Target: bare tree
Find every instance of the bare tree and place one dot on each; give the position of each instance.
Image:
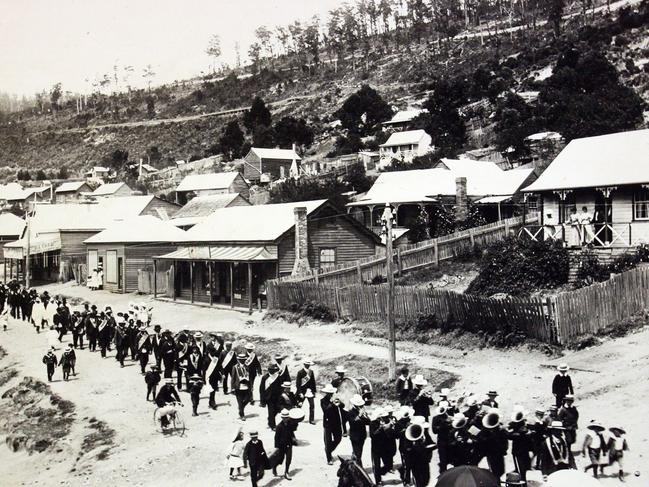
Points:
(148, 74)
(214, 49)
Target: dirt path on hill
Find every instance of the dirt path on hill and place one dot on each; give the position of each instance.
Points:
(611, 386)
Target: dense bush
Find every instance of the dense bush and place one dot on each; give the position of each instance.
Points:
(313, 310)
(591, 270)
(519, 267)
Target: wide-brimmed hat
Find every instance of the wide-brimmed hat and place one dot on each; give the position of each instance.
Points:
(595, 426)
(273, 368)
(492, 393)
(406, 411)
(613, 429)
(284, 413)
(459, 421)
(307, 361)
(357, 400)
(569, 397)
(249, 346)
(328, 389)
(445, 391)
(340, 369)
(286, 384)
(376, 414)
(198, 334)
(518, 416)
(420, 420)
(514, 478)
(563, 367)
(419, 380)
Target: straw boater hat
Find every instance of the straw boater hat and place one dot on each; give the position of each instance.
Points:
(279, 356)
(328, 389)
(198, 334)
(357, 400)
(196, 377)
(340, 369)
(444, 392)
(563, 367)
(286, 384)
(249, 346)
(420, 420)
(406, 412)
(569, 397)
(284, 413)
(492, 393)
(307, 361)
(254, 434)
(595, 426)
(241, 356)
(459, 421)
(169, 380)
(376, 414)
(419, 380)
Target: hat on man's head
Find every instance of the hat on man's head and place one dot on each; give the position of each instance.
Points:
(284, 413)
(307, 361)
(253, 434)
(419, 380)
(563, 367)
(492, 393)
(157, 327)
(241, 356)
(357, 400)
(569, 397)
(328, 389)
(279, 356)
(340, 369)
(169, 380)
(286, 384)
(459, 421)
(273, 368)
(249, 346)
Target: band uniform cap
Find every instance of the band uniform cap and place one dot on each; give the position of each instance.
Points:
(340, 369)
(563, 367)
(328, 389)
(357, 400)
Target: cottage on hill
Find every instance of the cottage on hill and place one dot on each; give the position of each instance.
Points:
(128, 246)
(228, 257)
(112, 190)
(214, 183)
(405, 146)
(609, 176)
(265, 165)
(201, 207)
(71, 191)
(402, 120)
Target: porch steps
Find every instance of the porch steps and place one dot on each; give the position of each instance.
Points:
(605, 256)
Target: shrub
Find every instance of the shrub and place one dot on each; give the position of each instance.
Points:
(313, 310)
(519, 267)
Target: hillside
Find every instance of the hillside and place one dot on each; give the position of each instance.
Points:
(185, 120)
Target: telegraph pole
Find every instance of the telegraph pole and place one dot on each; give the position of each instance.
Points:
(27, 257)
(392, 339)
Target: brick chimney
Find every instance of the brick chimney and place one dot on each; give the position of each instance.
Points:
(461, 202)
(301, 265)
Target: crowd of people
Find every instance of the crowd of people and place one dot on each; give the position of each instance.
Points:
(468, 429)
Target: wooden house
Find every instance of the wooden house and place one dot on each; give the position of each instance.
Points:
(201, 207)
(266, 165)
(454, 182)
(214, 183)
(128, 246)
(71, 191)
(403, 120)
(112, 190)
(228, 257)
(604, 180)
(11, 228)
(405, 146)
(57, 232)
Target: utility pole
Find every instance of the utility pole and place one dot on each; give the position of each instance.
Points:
(27, 257)
(392, 339)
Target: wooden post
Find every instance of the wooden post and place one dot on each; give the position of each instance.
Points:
(249, 288)
(231, 284)
(4, 275)
(392, 352)
(472, 237)
(436, 247)
(399, 263)
(209, 277)
(155, 278)
(191, 279)
(359, 271)
(500, 217)
(173, 279)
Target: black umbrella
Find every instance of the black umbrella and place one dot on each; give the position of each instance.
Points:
(467, 476)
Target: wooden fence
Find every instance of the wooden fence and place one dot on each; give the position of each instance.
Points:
(412, 257)
(145, 281)
(558, 319)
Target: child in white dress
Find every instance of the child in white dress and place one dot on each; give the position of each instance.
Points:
(235, 457)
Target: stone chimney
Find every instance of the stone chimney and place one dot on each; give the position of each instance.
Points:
(301, 265)
(461, 201)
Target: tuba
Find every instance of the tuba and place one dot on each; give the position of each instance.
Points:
(491, 420)
(414, 432)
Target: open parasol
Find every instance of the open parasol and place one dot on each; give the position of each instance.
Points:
(467, 476)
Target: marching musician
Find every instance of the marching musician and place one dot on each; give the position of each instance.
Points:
(358, 421)
(305, 385)
(269, 392)
(441, 426)
(227, 360)
(421, 399)
(419, 451)
(492, 442)
(522, 442)
(254, 367)
(340, 376)
(334, 421)
(241, 384)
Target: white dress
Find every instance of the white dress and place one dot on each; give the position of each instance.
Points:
(235, 459)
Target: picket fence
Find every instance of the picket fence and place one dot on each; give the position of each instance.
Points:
(559, 319)
(413, 257)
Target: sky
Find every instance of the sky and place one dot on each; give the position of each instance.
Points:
(43, 42)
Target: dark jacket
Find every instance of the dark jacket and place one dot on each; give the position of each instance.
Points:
(562, 385)
(284, 435)
(334, 418)
(166, 395)
(254, 454)
(305, 380)
(357, 424)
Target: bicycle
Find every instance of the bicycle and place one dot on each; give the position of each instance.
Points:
(176, 422)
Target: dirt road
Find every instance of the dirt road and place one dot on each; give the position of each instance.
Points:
(611, 387)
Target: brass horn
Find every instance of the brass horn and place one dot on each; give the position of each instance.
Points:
(491, 419)
(414, 432)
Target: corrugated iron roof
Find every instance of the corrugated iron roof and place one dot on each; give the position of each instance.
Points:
(201, 182)
(405, 116)
(139, 229)
(288, 154)
(405, 138)
(260, 223)
(593, 162)
(232, 253)
(70, 186)
(11, 224)
(108, 189)
(203, 206)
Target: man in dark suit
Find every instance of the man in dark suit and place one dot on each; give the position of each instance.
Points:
(284, 441)
(562, 385)
(334, 421)
(254, 457)
(227, 359)
(286, 398)
(168, 353)
(305, 386)
(284, 374)
(269, 392)
(50, 361)
(404, 386)
(156, 341)
(194, 364)
(253, 365)
(241, 385)
(340, 376)
(358, 421)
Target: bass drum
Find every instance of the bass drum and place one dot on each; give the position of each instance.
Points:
(350, 386)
